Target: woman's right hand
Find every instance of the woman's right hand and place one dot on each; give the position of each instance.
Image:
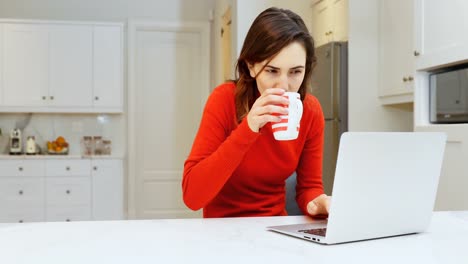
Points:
(267, 108)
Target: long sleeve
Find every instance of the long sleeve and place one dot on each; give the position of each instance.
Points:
(218, 149)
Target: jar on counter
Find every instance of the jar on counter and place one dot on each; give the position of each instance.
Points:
(87, 146)
(98, 145)
(106, 147)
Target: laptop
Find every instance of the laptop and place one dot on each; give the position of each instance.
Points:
(385, 185)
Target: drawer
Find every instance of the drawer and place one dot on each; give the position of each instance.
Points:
(22, 215)
(60, 168)
(30, 168)
(69, 213)
(20, 192)
(68, 191)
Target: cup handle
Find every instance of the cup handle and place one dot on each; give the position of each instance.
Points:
(297, 108)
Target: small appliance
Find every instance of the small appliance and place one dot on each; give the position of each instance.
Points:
(448, 94)
(31, 145)
(15, 142)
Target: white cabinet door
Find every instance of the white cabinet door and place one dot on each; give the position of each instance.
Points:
(321, 22)
(108, 69)
(68, 167)
(396, 51)
(340, 20)
(329, 21)
(71, 64)
(22, 199)
(451, 193)
(25, 65)
(68, 191)
(108, 199)
(441, 32)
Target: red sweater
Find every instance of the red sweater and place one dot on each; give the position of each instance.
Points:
(232, 171)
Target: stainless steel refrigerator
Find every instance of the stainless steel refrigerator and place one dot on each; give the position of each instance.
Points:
(330, 86)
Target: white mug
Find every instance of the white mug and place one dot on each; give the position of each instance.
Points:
(288, 127)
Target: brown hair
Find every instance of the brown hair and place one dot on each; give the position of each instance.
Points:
(271, 31)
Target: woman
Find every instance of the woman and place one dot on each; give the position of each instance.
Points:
(236, 167)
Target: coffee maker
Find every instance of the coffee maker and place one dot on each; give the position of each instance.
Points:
(15, 142)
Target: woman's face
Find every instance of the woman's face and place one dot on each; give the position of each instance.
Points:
(286, 70)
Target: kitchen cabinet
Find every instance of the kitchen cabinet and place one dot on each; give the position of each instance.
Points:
(22, 191)
(396, 80)
(25, 65)
(107, 177)
(62, 67)
(70, 65)
(329, 21)
(451, 193)
(107, 71)
(440, 33)
(34, 190)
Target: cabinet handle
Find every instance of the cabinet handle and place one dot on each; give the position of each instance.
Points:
(410, 78)
(20, 168)
(416, 53)
(51, 98)
(20, 192)
(68, 191)
(68, 220)
(96, 98)
(20, 221)
(67, 168)
(95, 168)
(405, 79)
(44, 97)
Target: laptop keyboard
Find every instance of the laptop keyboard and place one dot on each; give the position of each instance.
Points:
(317, 231)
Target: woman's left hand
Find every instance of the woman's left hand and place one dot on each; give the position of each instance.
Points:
(320, 206)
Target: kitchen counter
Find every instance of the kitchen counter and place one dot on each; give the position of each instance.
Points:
(71, 156)
(222, 240)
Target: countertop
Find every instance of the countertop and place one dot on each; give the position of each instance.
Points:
(222, 240)
(71, 156)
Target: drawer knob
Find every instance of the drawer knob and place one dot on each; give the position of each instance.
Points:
(20, 192)
(20, 168)
(416, 53)
(95, 168)
(68, 168)
(96, 98)
(20, 221)
(68, 191)
(68, 220)
(51, 98)
(410, 78)
(43, 97)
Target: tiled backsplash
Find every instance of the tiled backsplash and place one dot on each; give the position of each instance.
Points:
(47, 127)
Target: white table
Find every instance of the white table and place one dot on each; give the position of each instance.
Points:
(228, 240)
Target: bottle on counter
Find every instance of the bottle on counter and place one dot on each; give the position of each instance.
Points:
(106, 147)
(98, 145)
(87, 148)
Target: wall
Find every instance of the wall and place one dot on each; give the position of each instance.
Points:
(248, 10)
(365, 111)
(47, 127)
(108, 10)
